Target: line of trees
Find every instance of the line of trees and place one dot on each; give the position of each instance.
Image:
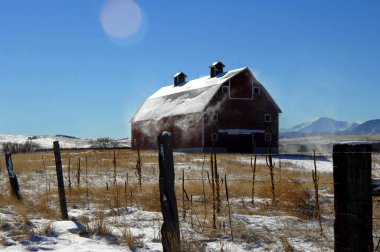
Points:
(104, 143)
(28, 146)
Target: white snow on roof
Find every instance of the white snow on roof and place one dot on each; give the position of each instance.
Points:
(179, 74)
(215, 63)
(202, 82)
(191, 97)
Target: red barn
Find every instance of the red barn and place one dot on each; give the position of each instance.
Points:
(225, 109)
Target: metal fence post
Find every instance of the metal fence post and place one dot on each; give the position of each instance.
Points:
(352, 197)
(170, 228)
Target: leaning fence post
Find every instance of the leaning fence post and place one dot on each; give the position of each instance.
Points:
(12, 175)
(61, 186)
(352, 197)
(170, 228)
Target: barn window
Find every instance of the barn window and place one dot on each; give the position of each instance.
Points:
(225, 89)
(268, 118)
(256, 90)
(214, 117)
(214, 137)
(135, 142)
(268, 137)
(196, 136)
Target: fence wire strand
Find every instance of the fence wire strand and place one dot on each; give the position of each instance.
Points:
(98, 171)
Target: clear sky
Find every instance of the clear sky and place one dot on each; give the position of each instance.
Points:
(83, 67)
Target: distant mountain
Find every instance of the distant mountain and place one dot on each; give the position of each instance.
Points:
(371, 127)
(320, 126)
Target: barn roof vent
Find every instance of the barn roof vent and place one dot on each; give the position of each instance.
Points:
(179, 78)
(216, 68)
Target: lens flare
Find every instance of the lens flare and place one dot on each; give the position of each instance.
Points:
(121, 19)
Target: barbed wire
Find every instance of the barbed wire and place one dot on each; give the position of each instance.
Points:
(282, 204)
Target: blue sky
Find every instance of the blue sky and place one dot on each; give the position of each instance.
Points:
(67, 68)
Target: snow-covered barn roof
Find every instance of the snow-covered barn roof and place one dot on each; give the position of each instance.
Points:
(180, 73)
(217, 63)
(190, 97)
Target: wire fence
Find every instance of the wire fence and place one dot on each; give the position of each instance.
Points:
(110, 180)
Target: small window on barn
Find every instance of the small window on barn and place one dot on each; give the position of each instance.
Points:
(268, 137)
(256, 90)
(214, 137)
(268, 117)
(135, 142)
(225, 89)
(196, 136)
(214, 117)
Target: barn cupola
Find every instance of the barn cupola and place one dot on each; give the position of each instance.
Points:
(179, 78)
(216, 68)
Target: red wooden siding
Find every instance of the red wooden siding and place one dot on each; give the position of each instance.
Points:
(235, 106)
(242, 114)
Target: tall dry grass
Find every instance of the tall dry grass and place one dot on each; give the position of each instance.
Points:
(293, 188)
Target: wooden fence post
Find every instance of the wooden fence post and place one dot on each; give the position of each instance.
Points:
(12, 175)
(170, 228)
(69, 173)
(87, 193)
(61, 186)
(78, 173)
(352, 197)
(138, 166)
(183, 196)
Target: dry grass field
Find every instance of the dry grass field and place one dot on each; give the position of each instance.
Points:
(103, 197)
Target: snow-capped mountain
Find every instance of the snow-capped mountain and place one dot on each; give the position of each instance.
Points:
(320, 126)
(371, 127)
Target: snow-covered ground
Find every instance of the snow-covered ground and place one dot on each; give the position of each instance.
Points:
(258, 227)
(255, 228)
(299, 162)
(46, 142)
(63, 238)
(321, 144)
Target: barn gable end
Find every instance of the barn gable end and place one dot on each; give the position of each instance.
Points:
(228, 110)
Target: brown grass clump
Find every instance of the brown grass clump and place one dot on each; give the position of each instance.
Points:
(292, 192)
(46, 229)
(99, 227)
(286, 245)
(45, 208)
(295, 200)
(193, 188)
(128, 239)
(148, 198)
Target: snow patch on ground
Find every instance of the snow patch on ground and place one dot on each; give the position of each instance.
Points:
(295, 162)
(64, 238)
